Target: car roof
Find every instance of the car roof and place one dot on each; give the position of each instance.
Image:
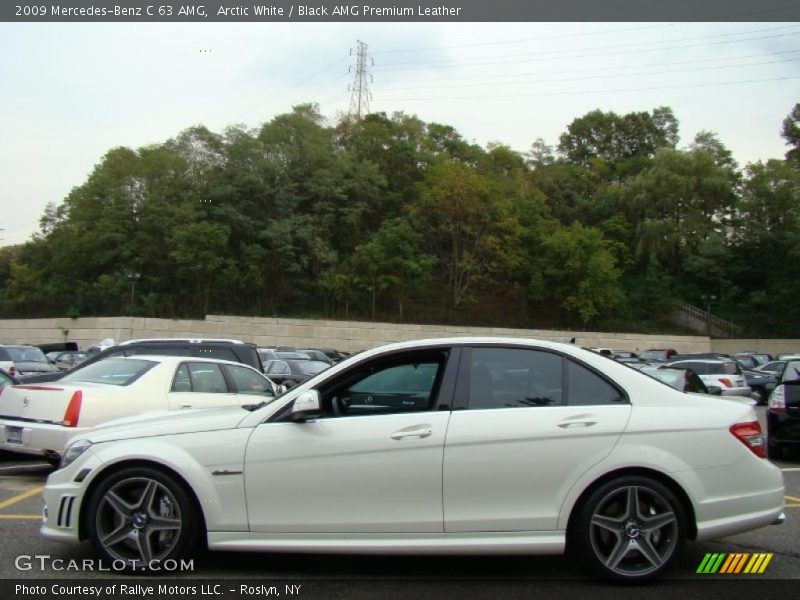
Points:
(176, 359)
(189, 340)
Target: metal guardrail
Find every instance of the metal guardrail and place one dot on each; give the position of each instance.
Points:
(714, 325)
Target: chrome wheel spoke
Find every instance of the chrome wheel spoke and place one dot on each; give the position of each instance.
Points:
(120, 534)
(632, 503)
(657, 522)
(611, 524)
(118, 504)
(619, 552)
(163, 524)
(645, 546)
(144, 547)
(148, 495)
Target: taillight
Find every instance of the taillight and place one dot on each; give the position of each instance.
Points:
(777, 401)
(750, 435)
(12, 371)
(725, 381)
(73, 411)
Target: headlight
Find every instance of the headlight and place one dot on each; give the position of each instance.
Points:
(74, 451)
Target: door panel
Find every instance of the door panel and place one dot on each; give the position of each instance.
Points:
(380, 473)
(530, 423)
(510, 469)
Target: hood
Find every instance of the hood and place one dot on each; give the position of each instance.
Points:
(158, 423)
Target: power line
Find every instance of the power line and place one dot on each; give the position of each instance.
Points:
(565, 54)
(516, 79)
(594, 69)
(580, 92)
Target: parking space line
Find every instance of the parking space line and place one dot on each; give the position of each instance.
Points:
(22, 517)
(792, 498)
(790, 469)
(20, 497)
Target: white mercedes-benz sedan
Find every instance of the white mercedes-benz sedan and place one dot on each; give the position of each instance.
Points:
(446, 446)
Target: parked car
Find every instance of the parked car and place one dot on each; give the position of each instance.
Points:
(783, 412)
(683, 380)
(789, 356)
(24, 361)
(760, 383)
(233, 350)
(316, 355)
(291, 371)
(461, 445)
(756, 357)
(774, 367)
(724, 373)
(39, 419)
(657, 355)
(64, 361)
(334, 355)
(624, 354)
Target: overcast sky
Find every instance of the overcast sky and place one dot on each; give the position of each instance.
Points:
(70, 92)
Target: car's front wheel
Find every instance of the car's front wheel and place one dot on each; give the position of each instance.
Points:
(140, 517)
(631, 528)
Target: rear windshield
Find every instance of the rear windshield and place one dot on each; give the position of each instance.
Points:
(309, 367)
(113, 371)
(26, 354)
(710, 368)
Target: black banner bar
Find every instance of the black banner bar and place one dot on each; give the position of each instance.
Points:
(397, 10)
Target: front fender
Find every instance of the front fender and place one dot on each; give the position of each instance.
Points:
(192, 457)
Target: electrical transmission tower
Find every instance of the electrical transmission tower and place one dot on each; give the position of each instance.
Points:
(359, 89)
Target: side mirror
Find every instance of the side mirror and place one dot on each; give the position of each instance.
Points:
(280, 390)
(306, 407)
(714, 390)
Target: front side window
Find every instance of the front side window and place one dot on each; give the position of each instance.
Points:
(401, 385)
(248, 381)
(113, 371)
(514, 377)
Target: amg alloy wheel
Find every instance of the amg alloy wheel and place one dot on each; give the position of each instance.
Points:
(631, 528)
(140, 516)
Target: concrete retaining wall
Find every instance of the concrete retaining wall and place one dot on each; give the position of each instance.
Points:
(343, 335)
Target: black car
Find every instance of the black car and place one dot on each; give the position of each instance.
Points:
(783, 412)
(25, 362)
(290, 372)
(233, 350)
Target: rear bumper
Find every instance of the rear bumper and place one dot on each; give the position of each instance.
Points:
(40, 439)
(745, 392)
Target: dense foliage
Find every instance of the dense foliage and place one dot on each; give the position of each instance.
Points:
(391, 218)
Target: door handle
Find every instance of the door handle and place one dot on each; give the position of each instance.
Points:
(420, 433)
(186, 406)
(577, 424)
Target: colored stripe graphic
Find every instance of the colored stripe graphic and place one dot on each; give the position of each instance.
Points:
(734, 563)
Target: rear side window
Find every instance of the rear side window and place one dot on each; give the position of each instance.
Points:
(112, 371)
(513, 378)
(207, 378)
(248, 381)
(587, 388)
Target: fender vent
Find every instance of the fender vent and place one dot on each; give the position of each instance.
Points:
(65, 511)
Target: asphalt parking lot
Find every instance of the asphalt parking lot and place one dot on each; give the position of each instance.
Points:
(21, 482)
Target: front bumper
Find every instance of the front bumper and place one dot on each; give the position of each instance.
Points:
(63, 498)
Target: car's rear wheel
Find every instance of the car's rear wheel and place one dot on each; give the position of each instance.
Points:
(140, 517)
(631, 528)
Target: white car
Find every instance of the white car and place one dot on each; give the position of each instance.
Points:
(446, 446)
(725, 374)
(39, 418)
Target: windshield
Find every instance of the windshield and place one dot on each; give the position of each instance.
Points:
(26, 354)
(310, 367)
(112, 371)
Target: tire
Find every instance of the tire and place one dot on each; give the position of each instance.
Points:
(774, 451)
(629, 529)
(140, 515)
